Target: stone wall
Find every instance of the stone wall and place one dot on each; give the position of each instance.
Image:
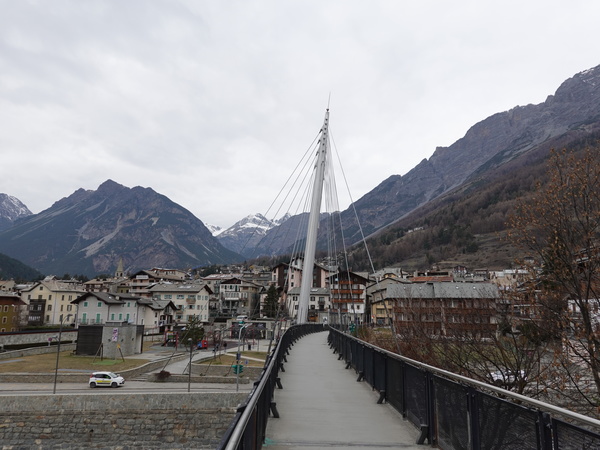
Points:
(118, 420)
(13, 354)
(38, 337)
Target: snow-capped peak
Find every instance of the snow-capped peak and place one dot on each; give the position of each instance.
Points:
(215, 230)
(11, 208)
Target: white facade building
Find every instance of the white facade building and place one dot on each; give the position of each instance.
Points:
(190, 299)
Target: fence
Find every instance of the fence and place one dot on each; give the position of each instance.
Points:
(247, 430)
(455, 412)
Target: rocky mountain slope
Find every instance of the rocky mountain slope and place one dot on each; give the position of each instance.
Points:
(89, 231)
(488, 145)
(11, 209)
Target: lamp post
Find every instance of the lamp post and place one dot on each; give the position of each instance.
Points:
(237, 358)
(190, 366)
(58, 350)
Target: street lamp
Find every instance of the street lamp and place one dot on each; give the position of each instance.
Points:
(58, 350)
(190, 366)
(237, 358)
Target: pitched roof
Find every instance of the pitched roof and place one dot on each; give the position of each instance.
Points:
(443, 290)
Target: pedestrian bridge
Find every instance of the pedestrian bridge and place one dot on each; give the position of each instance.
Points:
(322, 388)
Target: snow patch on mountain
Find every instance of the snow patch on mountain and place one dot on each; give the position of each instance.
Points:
(215, 230)
(11, 209)
(246, 233)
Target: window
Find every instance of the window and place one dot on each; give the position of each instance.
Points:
(99, 304)
(112, 316)
(120, 317)
(85, 304)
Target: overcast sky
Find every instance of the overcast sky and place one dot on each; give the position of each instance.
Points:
(212, 103)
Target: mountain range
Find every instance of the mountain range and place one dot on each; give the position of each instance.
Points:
(90, 230)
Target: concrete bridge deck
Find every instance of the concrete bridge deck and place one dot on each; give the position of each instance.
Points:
(322, 405)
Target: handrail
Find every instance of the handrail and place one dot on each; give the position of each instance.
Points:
(480, 384)
(236, 435)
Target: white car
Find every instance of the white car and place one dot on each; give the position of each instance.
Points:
(108, 379)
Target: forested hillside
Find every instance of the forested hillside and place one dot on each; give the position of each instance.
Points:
(468, 225)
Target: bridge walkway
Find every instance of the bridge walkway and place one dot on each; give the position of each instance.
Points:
(322, 405)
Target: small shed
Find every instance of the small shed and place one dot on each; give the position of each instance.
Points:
(110, 340)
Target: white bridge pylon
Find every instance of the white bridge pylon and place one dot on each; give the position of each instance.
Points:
(313, 223)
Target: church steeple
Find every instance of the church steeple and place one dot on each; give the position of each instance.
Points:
(120, 273)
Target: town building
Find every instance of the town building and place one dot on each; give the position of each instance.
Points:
(380, 300)
(445, 309)
(349, 296)
(11, 307)
(190, 299)
(319, 303)
(140, 282)
(237, 296)
(99, 308)
(50, 300)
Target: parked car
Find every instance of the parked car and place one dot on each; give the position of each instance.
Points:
(507, 377)
(108, 379)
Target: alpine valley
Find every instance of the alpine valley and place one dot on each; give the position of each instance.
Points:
(458, 199)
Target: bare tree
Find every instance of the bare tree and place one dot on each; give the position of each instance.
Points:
(560, 226)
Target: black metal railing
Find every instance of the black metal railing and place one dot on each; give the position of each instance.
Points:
(455, 412)
(248, 428)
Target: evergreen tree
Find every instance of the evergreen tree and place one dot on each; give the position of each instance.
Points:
(271, 302)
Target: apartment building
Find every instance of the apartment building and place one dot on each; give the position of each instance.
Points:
(190, 299)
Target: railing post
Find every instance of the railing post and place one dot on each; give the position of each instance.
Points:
(473, 411)
(544, 424)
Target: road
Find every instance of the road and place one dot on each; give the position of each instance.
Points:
(141, 387)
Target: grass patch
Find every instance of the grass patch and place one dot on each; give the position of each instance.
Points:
(229, 359)
(46, 363)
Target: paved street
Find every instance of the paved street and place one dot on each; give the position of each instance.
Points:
(154, 353)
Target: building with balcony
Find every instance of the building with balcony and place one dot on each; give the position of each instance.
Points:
(319, 303)
(349, 296)
(445, 309)
(190, 299)
(50, 300)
